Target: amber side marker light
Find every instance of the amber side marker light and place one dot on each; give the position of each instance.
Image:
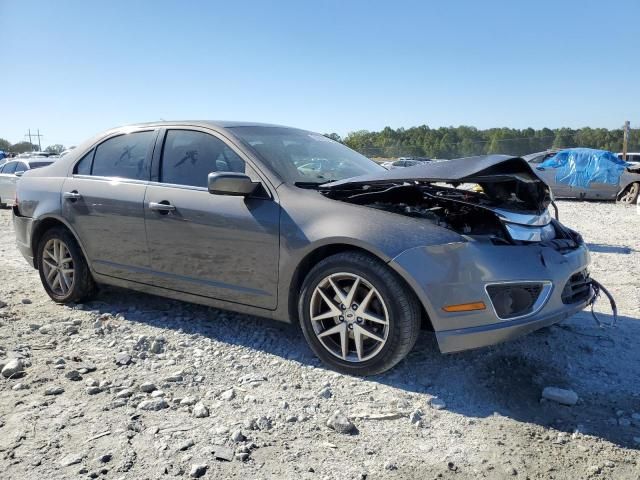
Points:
(465, 307)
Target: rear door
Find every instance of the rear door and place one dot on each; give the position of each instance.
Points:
(103, 201)
(223, 247)
(548, 175)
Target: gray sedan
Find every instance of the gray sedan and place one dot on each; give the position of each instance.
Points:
(11, 171)
(223, 214)
(625, 190)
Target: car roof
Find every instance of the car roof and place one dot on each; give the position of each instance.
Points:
(214, 123)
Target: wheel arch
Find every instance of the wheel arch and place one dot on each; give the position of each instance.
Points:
(316, 255)
(42, 225)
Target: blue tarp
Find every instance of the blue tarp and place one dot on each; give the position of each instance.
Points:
(2, 155)
(579, 167)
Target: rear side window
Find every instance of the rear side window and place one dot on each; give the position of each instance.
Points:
(189, 156)
(10, 167)
(124, 156)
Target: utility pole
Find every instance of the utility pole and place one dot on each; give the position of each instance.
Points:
(625, 140)
(38, 136)
(30, 142)
(40, 144)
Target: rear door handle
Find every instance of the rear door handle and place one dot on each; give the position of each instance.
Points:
(74, 195)
(162, 207)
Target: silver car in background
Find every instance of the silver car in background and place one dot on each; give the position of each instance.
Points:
(229, 215)
(10, 173)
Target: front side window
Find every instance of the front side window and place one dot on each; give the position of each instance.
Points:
(188, 157)
(21, 167)
(124, 156)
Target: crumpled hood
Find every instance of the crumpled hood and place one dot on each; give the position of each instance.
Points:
(500, 176)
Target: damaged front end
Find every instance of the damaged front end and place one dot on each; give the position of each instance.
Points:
(495, 198)
(519, 268)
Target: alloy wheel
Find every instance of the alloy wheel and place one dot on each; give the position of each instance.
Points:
(58, 266)
(631, 193)
(349, 317)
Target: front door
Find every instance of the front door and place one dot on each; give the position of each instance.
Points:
(103, 202)
(217, 246)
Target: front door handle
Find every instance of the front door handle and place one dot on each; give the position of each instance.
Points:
(161, 207)
(73, 195)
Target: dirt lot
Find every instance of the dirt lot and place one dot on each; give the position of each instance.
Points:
(249, 390)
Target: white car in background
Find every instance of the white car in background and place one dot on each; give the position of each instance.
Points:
(632, 157)
(11, 172)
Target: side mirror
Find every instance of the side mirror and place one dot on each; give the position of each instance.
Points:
(540, 168)
(231, 183)
(19, 173)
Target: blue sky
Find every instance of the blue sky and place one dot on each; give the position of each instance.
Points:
(73, 68)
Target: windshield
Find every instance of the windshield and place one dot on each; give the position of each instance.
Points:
(304, 157)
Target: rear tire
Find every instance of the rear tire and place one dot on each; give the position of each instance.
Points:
(630, 194)
(64, 272)
(381, 322)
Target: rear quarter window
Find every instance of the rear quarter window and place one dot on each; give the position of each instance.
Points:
(83, 167)
(33, 165)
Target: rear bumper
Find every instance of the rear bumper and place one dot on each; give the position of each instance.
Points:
(485, 335)
(22, 226)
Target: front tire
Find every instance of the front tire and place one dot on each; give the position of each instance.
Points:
(357, 314)
(63, 269)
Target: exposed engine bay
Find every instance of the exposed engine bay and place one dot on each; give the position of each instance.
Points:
(509, 204)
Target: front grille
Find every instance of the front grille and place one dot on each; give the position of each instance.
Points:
(514, 299)
(577, 288)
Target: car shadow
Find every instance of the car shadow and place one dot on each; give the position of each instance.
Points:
(604, 248)
(601, 365)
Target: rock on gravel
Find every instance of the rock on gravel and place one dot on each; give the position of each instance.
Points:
(123, 358)
(148, 387)
(228, 394)
(153, 404)
(238, 436)
(73, 375)
(198, 470)
(200, 411)
(560, 395)
(325, 393)
(341, 424)
(13, 368)
(71, 459)
(54, 391)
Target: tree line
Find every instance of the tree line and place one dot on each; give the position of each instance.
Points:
(464, 141)
(22, 147)
(451, 142)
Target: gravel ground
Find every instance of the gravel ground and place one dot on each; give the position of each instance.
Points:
(133, 386)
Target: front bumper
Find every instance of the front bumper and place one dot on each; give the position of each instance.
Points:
(458, 273)
(484, 335)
